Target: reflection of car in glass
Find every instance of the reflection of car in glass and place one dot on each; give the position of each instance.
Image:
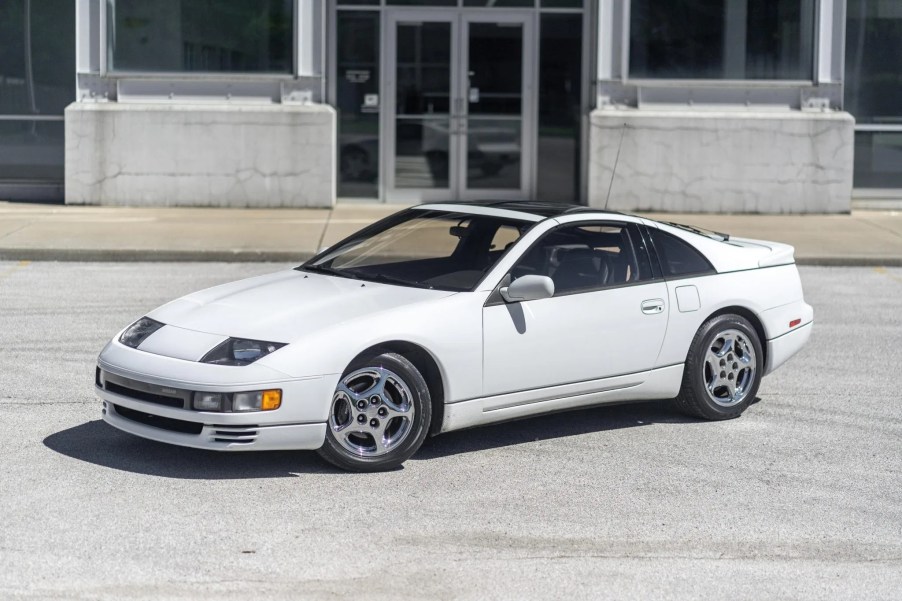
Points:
(448, 316)
(492, 145)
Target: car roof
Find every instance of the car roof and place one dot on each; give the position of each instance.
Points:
(542, 209)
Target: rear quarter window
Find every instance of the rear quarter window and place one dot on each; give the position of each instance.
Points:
(678, 258)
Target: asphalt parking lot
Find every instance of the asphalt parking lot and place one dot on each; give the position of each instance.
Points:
(801, 498)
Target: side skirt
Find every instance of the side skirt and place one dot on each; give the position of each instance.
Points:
(661, 383)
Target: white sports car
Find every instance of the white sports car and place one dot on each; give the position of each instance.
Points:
(447, 316)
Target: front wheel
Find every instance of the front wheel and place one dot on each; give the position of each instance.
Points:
(379, 417)
(723, 369)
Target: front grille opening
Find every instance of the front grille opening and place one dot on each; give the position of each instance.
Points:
(158, 421)
(97, 381)
(141, 395)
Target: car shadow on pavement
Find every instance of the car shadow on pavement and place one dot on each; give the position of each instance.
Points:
(98, 443)
(552, 426)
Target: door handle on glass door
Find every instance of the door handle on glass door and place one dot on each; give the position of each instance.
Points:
(653, 306)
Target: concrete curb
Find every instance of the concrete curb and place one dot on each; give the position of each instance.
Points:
(263, 256)
(151, 256)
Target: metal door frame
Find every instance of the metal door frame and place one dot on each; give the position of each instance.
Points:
(459, 19)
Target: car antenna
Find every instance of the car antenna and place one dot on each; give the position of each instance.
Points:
(614, 170)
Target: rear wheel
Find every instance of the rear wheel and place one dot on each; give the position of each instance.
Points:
(723, 369)
(379, 417)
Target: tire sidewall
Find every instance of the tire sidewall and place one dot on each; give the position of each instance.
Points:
(338, 455)
(696, 364)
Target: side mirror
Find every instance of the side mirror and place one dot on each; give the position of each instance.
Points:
(527, 288)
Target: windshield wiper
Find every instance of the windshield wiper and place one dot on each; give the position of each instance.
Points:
(388, 279)
(342, 273)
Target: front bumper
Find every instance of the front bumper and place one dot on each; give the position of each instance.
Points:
(158, 407)
(216, 437)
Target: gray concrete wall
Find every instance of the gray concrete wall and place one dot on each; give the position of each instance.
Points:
(721, 162)
(200, 155)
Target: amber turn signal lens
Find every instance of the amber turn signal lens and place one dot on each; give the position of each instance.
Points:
(272, 399)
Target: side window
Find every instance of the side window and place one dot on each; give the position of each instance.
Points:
(678, 258)
(585, 257)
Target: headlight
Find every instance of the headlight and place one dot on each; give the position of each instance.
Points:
(138, 332)
(238, 351)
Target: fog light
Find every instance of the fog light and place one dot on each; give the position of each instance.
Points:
(207, 401)
(261, 400)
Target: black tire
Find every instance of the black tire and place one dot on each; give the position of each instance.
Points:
(716, 395)
(353, 445)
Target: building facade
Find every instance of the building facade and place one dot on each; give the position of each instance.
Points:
(687, 105)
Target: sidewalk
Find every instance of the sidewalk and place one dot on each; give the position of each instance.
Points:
(74, 233)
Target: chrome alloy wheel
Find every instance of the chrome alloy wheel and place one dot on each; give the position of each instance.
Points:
(729, 370)
(372, 411)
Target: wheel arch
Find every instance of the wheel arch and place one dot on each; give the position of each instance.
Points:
(425, 364)
(752, 319)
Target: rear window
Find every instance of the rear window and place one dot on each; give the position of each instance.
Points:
(678, 258)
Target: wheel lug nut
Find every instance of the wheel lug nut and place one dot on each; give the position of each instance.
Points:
(723, 374)
(735, 366)
(722, 362)
(361, 404)
(374, 423)
(730, 377)
(383, 412)
(361, 418)
(729, 357)
(375, 400)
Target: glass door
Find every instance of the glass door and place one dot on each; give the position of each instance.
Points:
(457, 92)
(421, 148)
(494, 103)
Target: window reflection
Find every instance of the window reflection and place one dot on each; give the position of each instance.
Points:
(201, 35)
(722, 39)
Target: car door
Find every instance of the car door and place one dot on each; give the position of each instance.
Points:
(607, 317)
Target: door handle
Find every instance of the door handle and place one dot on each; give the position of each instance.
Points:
(653, 306)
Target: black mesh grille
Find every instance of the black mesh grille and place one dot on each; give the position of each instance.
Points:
(157, 421)
(141, 395)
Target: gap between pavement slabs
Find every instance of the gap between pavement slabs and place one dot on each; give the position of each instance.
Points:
(41, 232)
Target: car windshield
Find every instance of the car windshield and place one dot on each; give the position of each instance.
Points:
(427, 249)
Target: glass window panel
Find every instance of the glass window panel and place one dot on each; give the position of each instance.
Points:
(560, 93)
(878, 160)
(421, 2)
(358, 2)
(358, 102)
(562, 3)
(423, 102)
(495, 105)
(722, 39)
(873, 79)
(421, 155)
(37, 56)
(31, 150)
(500, 3)
(252, 36)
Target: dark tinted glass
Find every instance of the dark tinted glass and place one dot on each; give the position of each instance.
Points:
(721, 39)
(199, 35)
(37, 56)
(586, 257)
(560, 91)
(873, 81)
(878, 159)
(358, 102)
(677, 257)
(37, 77)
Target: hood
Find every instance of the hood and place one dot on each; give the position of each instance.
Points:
(285, 306)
